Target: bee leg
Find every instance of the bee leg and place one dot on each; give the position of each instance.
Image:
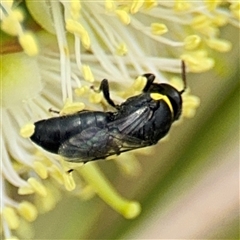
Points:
(150, 78)
(104, 87)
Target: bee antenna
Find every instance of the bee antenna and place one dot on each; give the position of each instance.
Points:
(183, 77)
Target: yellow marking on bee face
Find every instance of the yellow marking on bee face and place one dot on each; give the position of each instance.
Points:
(158, 96)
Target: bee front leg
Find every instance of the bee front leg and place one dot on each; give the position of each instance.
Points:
(150, 78)
(104, 87)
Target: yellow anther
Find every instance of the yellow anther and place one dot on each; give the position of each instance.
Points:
(136, 5)
(87, 73)
(109, 5)
(139, 83)
(86, 40)
(81, 90)
(177, 83)
(235, 9)
(57, 174)
(40, 169)
(191, 42)
(72, 107)
(123, 16)
(198, 61)
(181, 5)
(27, 210)
(37, 186)
(75, 9)
(69, 182)
(95, 97)
(158, 28)
(18, 15)
(213, 4)
(201, 22)
(220, 20)
(121, 49)
(220, 45)
(25, 190)
(87, 193)
(190, 104)
(49, 202)
(27, 130)
(150, 4)
(29, 44)
(77, 28)
(158, 96)
(11, 25)
(11, 217)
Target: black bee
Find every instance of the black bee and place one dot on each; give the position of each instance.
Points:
(138, 122)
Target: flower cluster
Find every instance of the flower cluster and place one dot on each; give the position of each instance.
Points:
(54, 51)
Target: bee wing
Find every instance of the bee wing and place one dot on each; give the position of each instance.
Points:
(98, 143)
(132, 122)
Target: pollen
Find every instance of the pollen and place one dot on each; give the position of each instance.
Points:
(28, 44)
(158, 28)
(191, 42)
(235, 9)
(11, 23)
(75, 9)
(121, 49)
(220, 45)
(12, 219)
(198, 61)
(77, 28)
(57, 174)
(87, 73)
(139, 83)
(25, 190)
(136, 5)
(72, 107)
(37, 186)
(150, 4)
(95, 97)
(27, 130)
(81, 90)
(190, 105)
(69, 182)
(181, 5)
(40, 169)
(213, 4)
(109, 5)
(123, 16)
(27, 210)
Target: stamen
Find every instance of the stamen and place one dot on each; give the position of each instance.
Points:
(220, 45)
(10, 216)
(37, 187)
(40, 169)
(27, 210)
(158, 28)
(129, 209)
(123, 16)
(27, 130)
